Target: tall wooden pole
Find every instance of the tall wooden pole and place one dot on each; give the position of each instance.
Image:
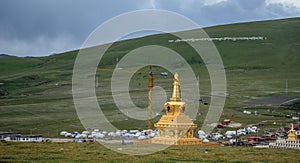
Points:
(150, 86)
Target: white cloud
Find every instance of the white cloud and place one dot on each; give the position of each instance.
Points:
(194, 5)
(147, 4)
(212, 2)
(153, 4)
(285, 3)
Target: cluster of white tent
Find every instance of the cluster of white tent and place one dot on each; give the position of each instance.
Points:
(145, 134)
(100, 134)
(241, 132)
(249, 112)
(205, 136)
(228, 134)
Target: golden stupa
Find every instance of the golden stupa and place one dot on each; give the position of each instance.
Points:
(175, 128)
(292, 135)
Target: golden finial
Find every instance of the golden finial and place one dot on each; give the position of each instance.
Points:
(176, 90)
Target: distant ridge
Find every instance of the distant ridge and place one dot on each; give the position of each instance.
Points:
(7, 56)
(12, 56)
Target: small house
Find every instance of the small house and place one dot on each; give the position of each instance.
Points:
(226, 122)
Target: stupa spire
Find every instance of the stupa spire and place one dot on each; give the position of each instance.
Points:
(176, 90)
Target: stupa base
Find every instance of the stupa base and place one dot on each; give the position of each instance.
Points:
(182, 141)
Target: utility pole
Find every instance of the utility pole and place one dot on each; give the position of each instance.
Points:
(286, 86)
(97, 82)
(198, 80)
(236, 137)
(32, 130)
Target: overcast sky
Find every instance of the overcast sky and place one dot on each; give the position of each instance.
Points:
(42, 27)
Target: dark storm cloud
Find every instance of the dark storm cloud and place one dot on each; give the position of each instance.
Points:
(28, 18)
(29, 22)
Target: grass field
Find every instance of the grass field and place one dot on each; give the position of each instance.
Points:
(94, 152)
(36, 92)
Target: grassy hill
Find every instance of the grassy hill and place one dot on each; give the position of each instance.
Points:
(35, 93)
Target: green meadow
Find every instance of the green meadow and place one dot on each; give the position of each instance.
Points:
(94, 152)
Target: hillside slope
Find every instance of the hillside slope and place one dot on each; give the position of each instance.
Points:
(40, 88)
